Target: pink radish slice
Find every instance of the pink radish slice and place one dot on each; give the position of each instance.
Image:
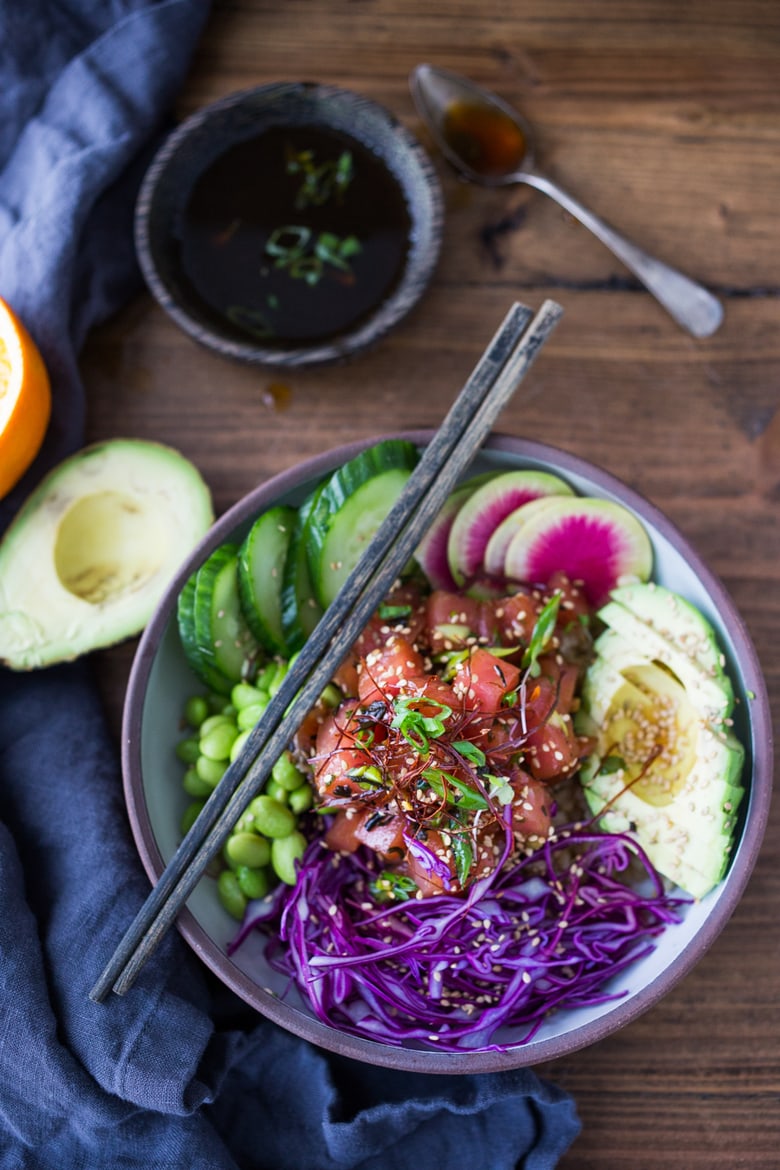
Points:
(431, 553)
(597, 542)
(485, 510)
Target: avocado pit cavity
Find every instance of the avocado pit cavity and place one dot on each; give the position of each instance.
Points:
(109, 544)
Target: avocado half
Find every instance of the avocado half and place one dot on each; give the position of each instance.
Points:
(85, 561)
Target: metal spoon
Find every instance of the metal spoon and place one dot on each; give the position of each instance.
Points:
(489, 143)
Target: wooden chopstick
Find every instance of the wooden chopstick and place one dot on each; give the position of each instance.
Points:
(468, 423)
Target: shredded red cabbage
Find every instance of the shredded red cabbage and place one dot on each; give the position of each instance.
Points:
(476, 973)
(431, 863)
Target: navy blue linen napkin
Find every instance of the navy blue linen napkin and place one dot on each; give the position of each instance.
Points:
(178, 1072)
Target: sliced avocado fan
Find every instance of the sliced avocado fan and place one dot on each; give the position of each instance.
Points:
(667, 766)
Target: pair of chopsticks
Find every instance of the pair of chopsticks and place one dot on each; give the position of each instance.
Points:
(502, 367)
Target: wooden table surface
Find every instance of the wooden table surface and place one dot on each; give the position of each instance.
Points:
(664, 117)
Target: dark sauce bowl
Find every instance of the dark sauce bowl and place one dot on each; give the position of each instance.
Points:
(289, 225)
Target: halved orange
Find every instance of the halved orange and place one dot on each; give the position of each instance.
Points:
(25, 399)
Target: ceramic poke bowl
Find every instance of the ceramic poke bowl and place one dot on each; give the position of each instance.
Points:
(290, 224)
(161, 682)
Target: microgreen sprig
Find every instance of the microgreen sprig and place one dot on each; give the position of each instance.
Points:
(500, 788)
(454, 790)
(470, 752)
(541, 635)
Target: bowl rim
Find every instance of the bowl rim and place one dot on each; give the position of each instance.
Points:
(535, 1052)
(422, 256)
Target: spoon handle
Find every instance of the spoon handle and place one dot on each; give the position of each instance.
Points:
(691, 305)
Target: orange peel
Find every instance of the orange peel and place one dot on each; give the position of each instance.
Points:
(25, 399)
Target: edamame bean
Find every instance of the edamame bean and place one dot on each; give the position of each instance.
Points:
(188, 750)
(244, 695)
(193, 785)
(248, 716)
(272, 677)
(238, 744)
(285, 851)
(276, 792)
(230, 894)
(214, 721)
(253, 883)
(285, 773)
(247, 849)
(191, 814)
(196, 710)
(266, 677)
(210, 771)
(271, 818)
(301, 799)
(217, 743)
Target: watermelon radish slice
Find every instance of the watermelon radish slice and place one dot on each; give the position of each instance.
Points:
(496, 550)
(431, 553)
(597, 542)
(483, 513)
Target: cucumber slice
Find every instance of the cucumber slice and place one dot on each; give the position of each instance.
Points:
(300, 611)
(260, 566)
(222, 635)
(350, 507)
(202, 666)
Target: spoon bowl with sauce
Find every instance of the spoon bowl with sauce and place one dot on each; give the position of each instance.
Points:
(489, 143)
